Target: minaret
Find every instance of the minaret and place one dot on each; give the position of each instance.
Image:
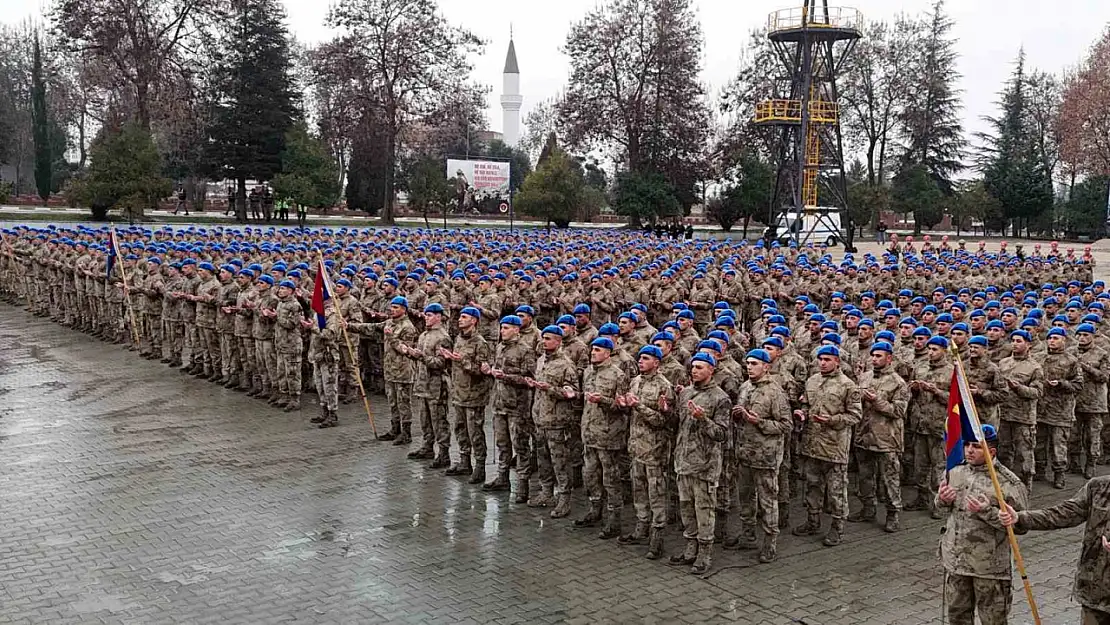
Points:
(511, 98)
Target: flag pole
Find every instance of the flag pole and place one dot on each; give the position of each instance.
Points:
(14, 262)
(1018, 560)
(350, 350)
(126, 287)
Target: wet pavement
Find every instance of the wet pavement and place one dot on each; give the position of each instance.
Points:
(130, 493)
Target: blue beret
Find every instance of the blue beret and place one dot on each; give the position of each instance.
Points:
(1058, 332)
(832, 336)
(759, 354)
(704, 357)
(882, 346)
(939, 341)
(609, 329)
(289, 284)
(773, 341)
(399, 301)
(434, 307)
(713, 345)
(603, 342)
(582, 309)
(471, 311)
(781, 331)
(961, 327)
(944, 318)
(526, 310)
(886, 336)
(556, 330)
(995, 323)
(653, 351)
(267, 279)
(981, 341)
(1085, 328)
(207, 267)
(725, 321)
(926, 332)
(866, 323)
(565, 319)
(512, 320)
(828, 350)
(685, 314)
(344, 282)
(627, 315)
(663, 336)
(1023, 334)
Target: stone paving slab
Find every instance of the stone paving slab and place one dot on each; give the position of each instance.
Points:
(130, 493)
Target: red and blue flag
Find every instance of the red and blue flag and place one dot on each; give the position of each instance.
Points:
(111, 261)
(321, 293)
(962, 425)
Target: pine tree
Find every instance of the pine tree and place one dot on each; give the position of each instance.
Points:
(934, 135)
(257, 101)
(44, 162)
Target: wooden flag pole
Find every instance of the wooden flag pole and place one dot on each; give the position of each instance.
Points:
(126, 288)
(1018, 560)
(350, 349)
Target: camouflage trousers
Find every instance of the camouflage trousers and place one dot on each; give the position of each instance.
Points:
(1091, 616)
(374, 368)
(1051, 451)
(512, 436)
(151, 342)
(209, 347)
(288, 374)
(349, 372)
(726, 483)
(326, 376)
(826, 483)
(174, 333)
(879, 468)
(192, 342)
(929, 463)
(965, 595)
(230, 363)
(553, 459)
(649, 493)
(697, 505)
(470, 433)
(435, 432)
(399, 396)
(1085, 444)
(759, 497)
(247, 363)
(787, 468)
(1015, 448)
(266, 360)
(601, 473)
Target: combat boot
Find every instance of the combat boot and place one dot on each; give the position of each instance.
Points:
(592, 516)
(892, 523)
(320, 418)
(1089, 472)
(720, 525)
(637, 536)
(499, 483)
(562, 506)
(866, 514)
(406, 435)
(744, 540)
(331, 421)
(934, 511)
(479, 474)
(655, 544)
(541, 499)
(704, 559)
(166, 361)
(688, 554)
(784, 515)
(394, 431)
(834, 538)
(1058, 481)
(215, 377)
(769, 552)
(424, 453)
(918, 504)
(521, 490)
(230, 381)
(612, 526)
(280, 401)
(462, 467)
(254, 390)
(294, 403)
(440, 462)
(810, 527)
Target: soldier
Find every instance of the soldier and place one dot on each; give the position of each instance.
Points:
(1092, 576)
(324, 352)
(262, 332)
(1056, 407)
(468, 394)
(513, 362)
(650, 398)
(928, 412)
(429, 389)
(397, 331)
(831, 407)
(243, 311)
(984, 380)
(225, 327)
(1018, 410)
(703, 421)
(763, 412)
(974, 549)
(878, 439)
(605, 436)
(152, 289)
(171, 315)
(288, 346)
(351, 312)
(207, 298)
(1090, 403)
(555, 414)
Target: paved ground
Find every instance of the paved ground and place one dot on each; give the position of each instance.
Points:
(132, 494)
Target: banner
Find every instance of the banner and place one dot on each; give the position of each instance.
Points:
(480, 182)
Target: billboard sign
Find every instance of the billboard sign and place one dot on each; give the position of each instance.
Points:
(480, 186)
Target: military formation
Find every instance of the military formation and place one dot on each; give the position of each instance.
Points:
(709, 383)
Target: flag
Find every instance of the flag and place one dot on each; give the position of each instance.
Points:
(962, 425)
(112, 247)
(321, 292)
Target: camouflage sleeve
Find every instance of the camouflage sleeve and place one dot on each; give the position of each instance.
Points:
(896, 406)
(852, 410)
(717, 420)
(1034, 389)
(1097, 373)
(1070, 513)
(1074, 381)
(996, 392)
(780, 420)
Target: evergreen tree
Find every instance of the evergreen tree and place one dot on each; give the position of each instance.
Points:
(367, 172)
(309, 172)
(556, 190)
(124, 171)
(931, 117)
(44, 162)
(257, 100)
(915, 191)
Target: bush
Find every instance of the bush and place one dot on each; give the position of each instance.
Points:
(5, 192)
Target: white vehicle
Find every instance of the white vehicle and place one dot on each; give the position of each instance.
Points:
(818, 225)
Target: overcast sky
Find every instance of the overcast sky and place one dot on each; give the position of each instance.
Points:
(1055, 34)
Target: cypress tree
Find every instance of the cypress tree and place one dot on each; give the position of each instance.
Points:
(40, 121)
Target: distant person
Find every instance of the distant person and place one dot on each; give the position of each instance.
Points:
(181, 203)
(880, 233)
(230, 201)
(302, 215)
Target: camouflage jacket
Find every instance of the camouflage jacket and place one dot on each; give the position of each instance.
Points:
(986, 377)
(209, 291)
(838, 398)
(430, 381)
(244, 316)
(697, 449)
(760, 445)
(1057, 403)
(229, 293)
(469, 386)
(1095, 364)
(974, 544)
(262, 329)
(1091, 505)
(511, 394)
(883, 423)
(675, 372)
(928, 411)
(651, 429)
(287, 326)
(324, 342)
(550, 408)
(1019, 403)
(395, 365)
(604, 425)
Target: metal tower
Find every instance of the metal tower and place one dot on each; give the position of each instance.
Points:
(812, 43)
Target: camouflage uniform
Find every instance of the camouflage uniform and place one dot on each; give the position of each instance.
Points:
(605, 436)
(1056, 412)
(974, 548)
(245, 300)
(429, 391)
(398, 369)
(468, 394)
(512, 412)
(649, 445)
(171, 317)
(289, 350)
(230, 364)
(555, 417)
(265, 357)
(209, 347)
(1091, 505)
(878, 442)
(928, 412)
(697, 459)
(1018, 415)
(759, 450)
(984, 375)
(1090, 410)
(324, 354)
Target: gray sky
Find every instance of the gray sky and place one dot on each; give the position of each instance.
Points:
(1056, 35)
